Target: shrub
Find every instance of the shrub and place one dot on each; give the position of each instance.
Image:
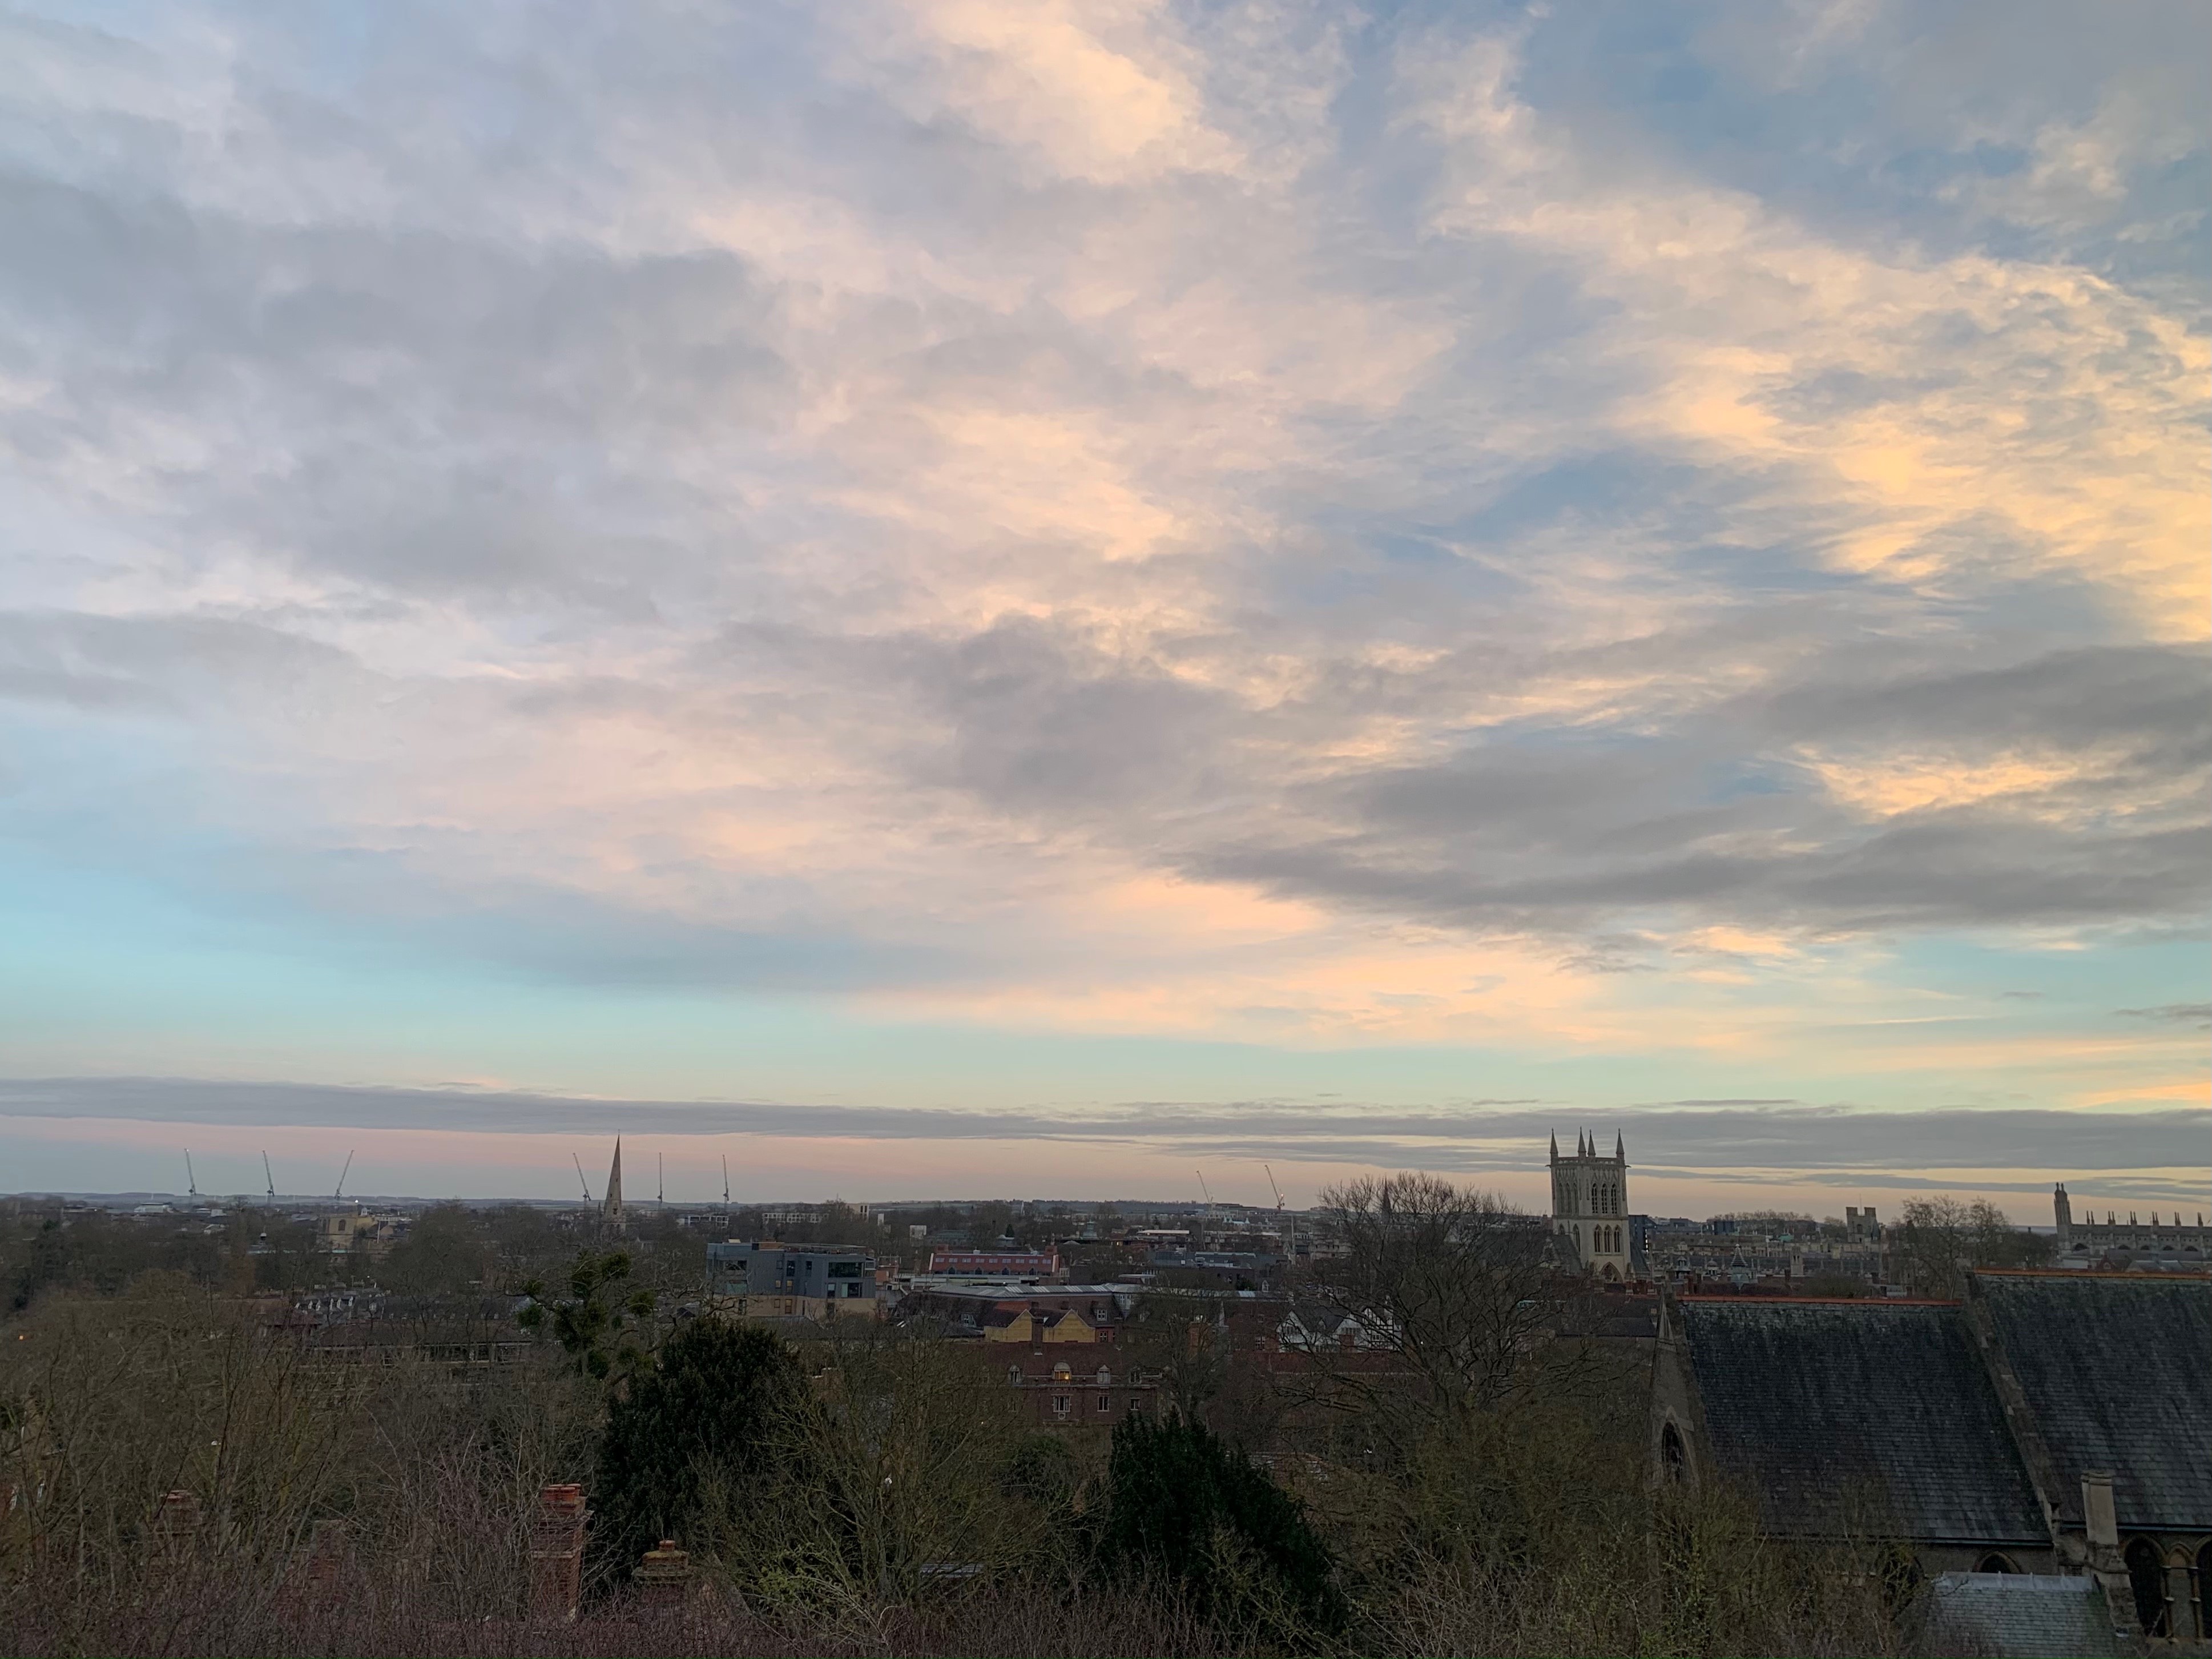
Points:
(1185, 1507)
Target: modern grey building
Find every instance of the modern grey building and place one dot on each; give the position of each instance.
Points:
(739, 1268)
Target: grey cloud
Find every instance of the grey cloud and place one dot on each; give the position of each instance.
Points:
(1803, 1140)
(501, 383)
(2199, 1014)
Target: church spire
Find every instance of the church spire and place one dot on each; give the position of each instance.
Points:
(1620, 1147)
(1555, 1145)
(612, 1209)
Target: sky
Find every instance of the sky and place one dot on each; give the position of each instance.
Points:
(978, 597)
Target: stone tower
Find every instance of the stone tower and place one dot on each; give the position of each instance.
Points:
(1590, 1206)
(2061, 1212)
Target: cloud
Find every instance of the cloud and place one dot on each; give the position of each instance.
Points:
(1260, 520)
(2197, 1014)
(1707, 1138)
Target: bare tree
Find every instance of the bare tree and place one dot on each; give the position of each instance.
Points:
(1938, 1239)
(1448, 1283)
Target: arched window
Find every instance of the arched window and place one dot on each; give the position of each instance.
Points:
(1672, 1453)
(2146, 1577)
(1994, 1562)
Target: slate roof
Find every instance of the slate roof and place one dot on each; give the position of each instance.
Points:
(2117, 1373)
(2014, 1615)
(1860, 1417)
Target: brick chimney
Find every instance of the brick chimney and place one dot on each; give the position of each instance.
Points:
(664, 1578)
(177, 1521)
(311, 1587)
(557, 1554)
(175, 1540)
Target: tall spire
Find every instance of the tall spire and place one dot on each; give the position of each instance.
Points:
(1555, 1145)
(1620, 1147)
(612, 1209)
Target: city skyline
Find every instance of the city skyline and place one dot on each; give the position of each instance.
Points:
(1061, 595)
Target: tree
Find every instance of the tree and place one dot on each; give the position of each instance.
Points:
(1938, 1239)
(1174, 1338)
(594, 1323)
(1186, 1507)
(1451, 1284)
(692, 1433)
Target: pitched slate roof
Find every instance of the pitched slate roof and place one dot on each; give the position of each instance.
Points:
(2117, 1373)
(1850, 1417)
(2014, 1615)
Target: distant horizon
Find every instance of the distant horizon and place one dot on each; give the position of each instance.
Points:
(1692, 1157)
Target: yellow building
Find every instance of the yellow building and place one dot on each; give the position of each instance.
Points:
(1035, 1325)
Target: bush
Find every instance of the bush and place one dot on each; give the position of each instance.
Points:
(699, 1422)
(1185, 1507)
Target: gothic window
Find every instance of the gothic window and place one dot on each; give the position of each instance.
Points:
(1672, 1454)
(2146, 1577)
(1994, 1562)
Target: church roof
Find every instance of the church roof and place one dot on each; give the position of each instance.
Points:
(2115, 1372)
(2017, 1615)
(1847, 1418)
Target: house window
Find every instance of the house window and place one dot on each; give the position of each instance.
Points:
(1059, 1405)
(1671, 1453)
(1105, 1402)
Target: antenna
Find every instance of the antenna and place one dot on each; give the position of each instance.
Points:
(269, 1176)
(191, 1181)
(580, 1182)
(340, 1193)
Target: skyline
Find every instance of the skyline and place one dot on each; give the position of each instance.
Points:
(988, 588)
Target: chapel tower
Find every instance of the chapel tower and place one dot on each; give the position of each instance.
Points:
(1590, 1206)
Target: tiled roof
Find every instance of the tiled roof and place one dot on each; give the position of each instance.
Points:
(2118, 1372)
(1859, 1418)
(2013, 1615)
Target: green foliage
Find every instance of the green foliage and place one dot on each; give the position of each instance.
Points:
(1185, 1506)
(693, 1429)
(1044, 1470)
(598, 1326)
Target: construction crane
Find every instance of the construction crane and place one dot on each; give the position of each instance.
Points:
(580, 1182)
(339, 1192)
(191, 1181)
(660, 1167)
(1282, 1214)
(725, 1183)
(269, 1176)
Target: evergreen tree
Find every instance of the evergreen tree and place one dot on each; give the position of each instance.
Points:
(1185, 1506)
(693, 1429)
